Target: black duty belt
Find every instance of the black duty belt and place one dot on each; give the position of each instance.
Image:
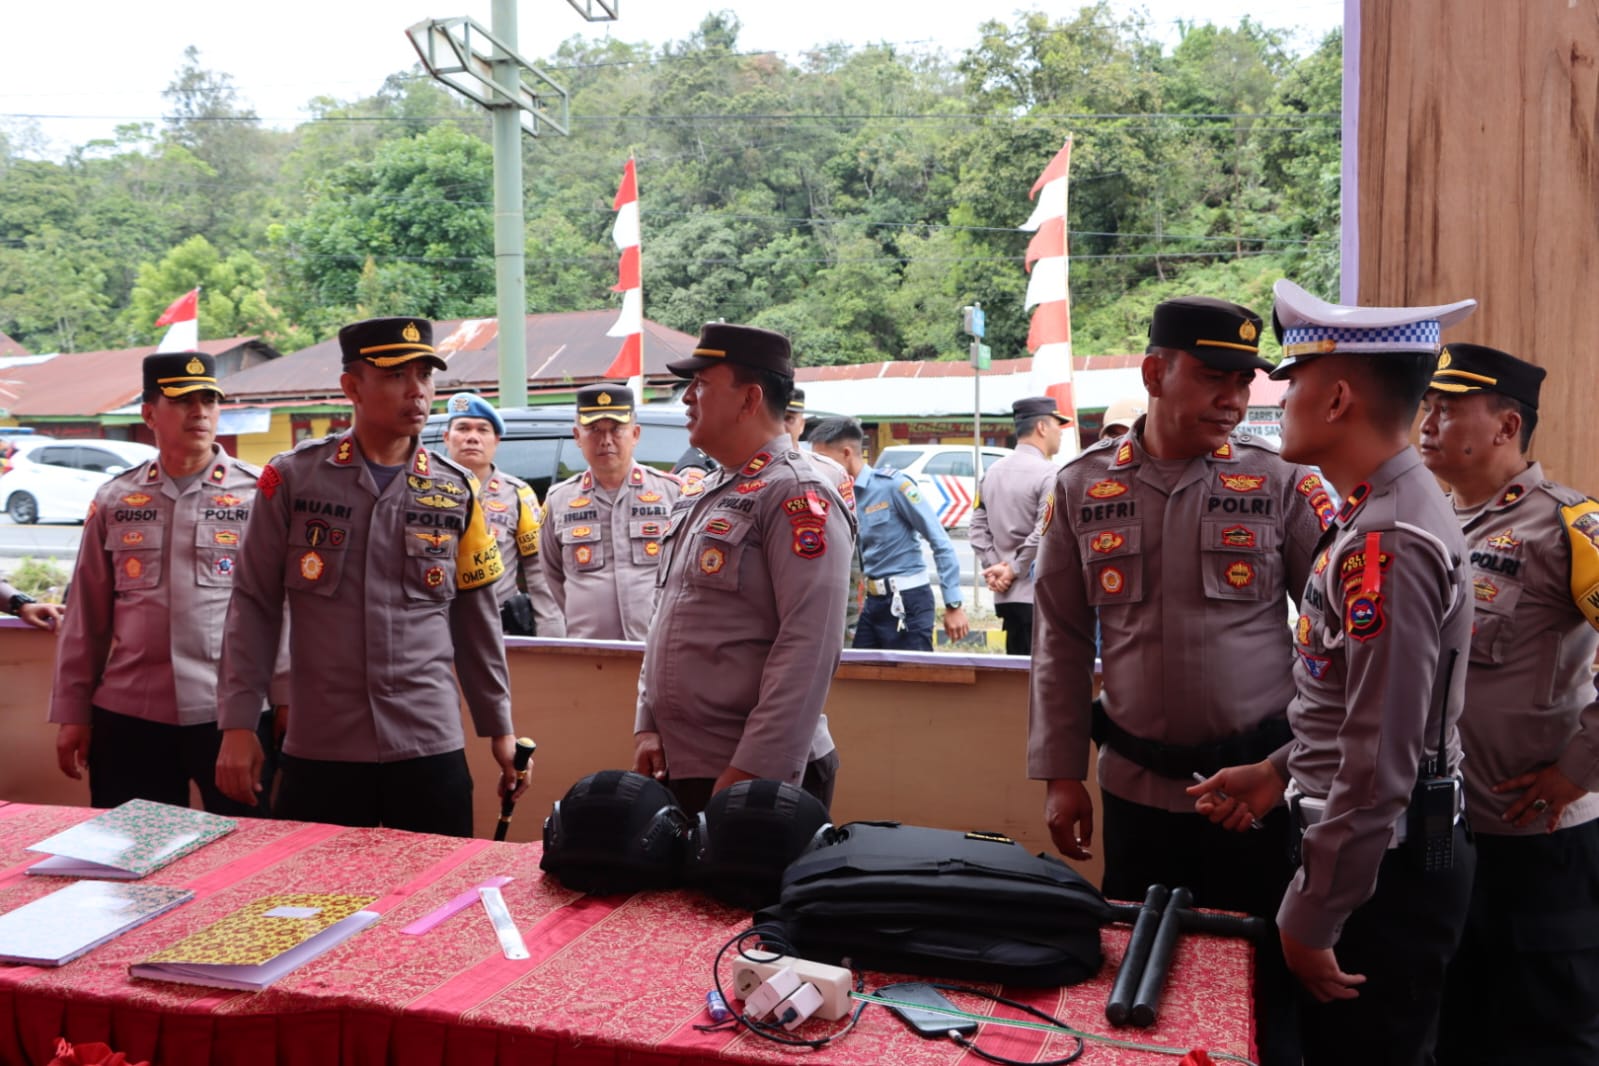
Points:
(1182, 761)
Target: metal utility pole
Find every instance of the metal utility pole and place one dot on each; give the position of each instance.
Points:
(973, 323)
(520, 97)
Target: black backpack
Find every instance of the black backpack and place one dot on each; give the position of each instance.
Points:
(940, 903)
(615, 831)
(745, 838)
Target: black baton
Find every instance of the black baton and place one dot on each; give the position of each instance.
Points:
(1152, 984)
(1120, 1003)
(523, 756)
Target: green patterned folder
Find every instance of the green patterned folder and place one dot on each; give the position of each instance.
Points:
(129, 841)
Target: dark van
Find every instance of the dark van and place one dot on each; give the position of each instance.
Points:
(538, 445)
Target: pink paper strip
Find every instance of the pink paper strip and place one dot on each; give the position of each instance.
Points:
(455, 906)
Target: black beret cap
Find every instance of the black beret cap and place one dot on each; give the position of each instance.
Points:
(386, 342)
(1034, 406)
(1478, 368)
(1222, 335)
(759, 349)
(604, 400)
(180, 373)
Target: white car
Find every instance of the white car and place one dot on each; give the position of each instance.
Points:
(55, 481)
(944, 474)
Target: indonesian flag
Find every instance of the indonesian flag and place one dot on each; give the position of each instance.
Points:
(629, 325)
(183, 321)
(1049, 337)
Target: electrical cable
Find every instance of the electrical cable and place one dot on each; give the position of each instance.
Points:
(771, 942)
(1053, 1026)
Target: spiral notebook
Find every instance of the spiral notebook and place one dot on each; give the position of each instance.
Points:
(128, 842)
(57, 928)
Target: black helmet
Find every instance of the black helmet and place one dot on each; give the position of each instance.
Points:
(745, 838)
(614, 831)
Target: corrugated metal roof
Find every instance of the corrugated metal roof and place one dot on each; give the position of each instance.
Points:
(9, 347)
(567, 346)
(93, 383)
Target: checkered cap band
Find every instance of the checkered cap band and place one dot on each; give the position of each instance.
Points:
(1422, 336)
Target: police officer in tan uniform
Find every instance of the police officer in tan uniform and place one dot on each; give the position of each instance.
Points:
(1184, 536)
(46, 616)
(751, 615)
(388, 568)
(135, 691)
(472, 436)
(1374, 912)
(1010, 506)
(604, 528)
(1525, 983)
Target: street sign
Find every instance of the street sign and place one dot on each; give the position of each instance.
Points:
(973, 320)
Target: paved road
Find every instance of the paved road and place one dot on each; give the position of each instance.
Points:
(57, 541)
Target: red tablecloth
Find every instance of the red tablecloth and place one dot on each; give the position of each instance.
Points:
(611, 981)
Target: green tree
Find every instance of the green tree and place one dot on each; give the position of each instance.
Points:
(412, 227)
(233, 297)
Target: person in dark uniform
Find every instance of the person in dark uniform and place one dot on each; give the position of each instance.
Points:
(1524, 986)
(135, 692)
(1374, 912)
(894, 521)
(1182, 539)
(472, 437)
(378, 551)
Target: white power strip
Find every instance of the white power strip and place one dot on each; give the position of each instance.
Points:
(833, 982)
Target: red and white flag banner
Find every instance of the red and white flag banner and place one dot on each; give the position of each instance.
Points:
(182, 319)
(629, 324)
(1049, 336)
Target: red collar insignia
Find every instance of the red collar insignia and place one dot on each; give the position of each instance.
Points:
(1124, 454)
(587, 481)
(756, 464)
(153, 473)
(345, 453)
(420, 464)
(636, 477)
(1224, 452)
(1512, 494)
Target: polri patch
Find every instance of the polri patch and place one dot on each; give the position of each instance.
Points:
(1107, 489)
(1112, 580)
(1240, 574)
(312, 566)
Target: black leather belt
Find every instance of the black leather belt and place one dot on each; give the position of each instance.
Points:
(1182, 761)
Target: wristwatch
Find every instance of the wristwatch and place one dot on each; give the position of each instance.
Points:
(18, 601)
(952, 605)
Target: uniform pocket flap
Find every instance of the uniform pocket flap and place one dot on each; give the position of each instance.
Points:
(134, 537)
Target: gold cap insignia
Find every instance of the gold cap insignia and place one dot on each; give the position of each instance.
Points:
(411, 333)
(1444, 359)
(1247, 331)
(194, 366)
(459, 402)
(605, 399)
